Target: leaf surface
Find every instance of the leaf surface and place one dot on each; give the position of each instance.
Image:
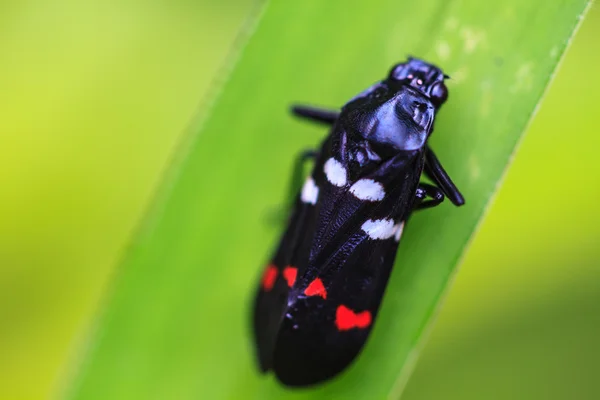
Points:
(176, 323)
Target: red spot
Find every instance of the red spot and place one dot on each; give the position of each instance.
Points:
(269, 277)
(289, 273)
(346, 319)
(316, 288)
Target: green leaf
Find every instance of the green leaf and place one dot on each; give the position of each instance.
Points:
(176, 323)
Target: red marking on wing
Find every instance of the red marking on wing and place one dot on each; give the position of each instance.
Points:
(269, 277)
(346, 319)
(289, 273)
(316, 288)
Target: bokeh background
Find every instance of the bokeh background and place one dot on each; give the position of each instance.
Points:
(95, 96)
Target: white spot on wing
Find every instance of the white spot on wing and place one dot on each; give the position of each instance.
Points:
(368, 189)
(398, 228)
(310, 192)
(335, 172)
(379, 228)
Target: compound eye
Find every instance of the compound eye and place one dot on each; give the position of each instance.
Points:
(398, 71)
(439, 94)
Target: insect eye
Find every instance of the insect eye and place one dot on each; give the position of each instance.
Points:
(439, 93)
(397, 71)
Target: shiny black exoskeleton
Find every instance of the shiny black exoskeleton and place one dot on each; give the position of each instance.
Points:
(321, 291)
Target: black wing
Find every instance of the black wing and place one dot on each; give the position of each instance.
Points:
(280, 274)
(322, 292)
(340, 251)
(331, 308)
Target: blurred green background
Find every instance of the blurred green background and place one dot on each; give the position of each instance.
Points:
(94, 99)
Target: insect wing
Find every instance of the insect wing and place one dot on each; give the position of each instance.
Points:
(332, 306)
(320, 295)
(280, 274)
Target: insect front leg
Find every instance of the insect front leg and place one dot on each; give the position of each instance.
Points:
(298, 173)
(278, 214)
(435, 172)
(425, 190)
(316, 114)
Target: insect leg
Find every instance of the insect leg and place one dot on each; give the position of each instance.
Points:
(278, 215)
(424, 190)
(435, 172)
(316, 114)
(298, 173)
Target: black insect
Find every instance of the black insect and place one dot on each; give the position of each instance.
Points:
(320, 293)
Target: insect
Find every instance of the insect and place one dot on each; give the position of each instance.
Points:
(320, 293)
